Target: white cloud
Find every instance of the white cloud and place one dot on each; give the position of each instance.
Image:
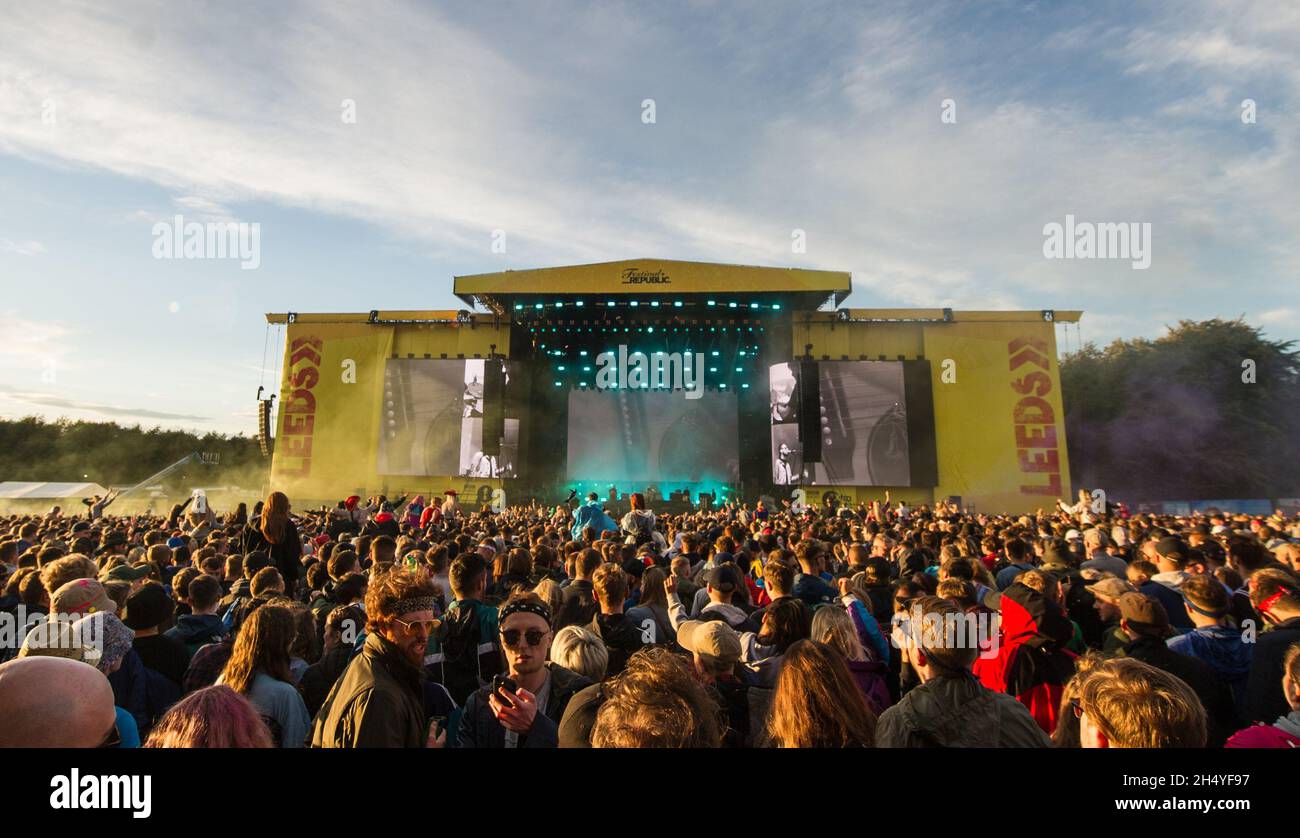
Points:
(27, 248)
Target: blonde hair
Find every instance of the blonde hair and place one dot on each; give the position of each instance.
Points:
(834, 627)
(1136, 705)
(580, 650)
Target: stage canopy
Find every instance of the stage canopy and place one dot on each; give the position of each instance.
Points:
(12, 490)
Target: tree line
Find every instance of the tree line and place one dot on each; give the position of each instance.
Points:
(73, 451)
(1210, 410)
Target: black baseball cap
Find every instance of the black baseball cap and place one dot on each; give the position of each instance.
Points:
(724, 577)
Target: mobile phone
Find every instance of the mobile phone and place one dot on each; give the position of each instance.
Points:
(439, 724)
(502, 682)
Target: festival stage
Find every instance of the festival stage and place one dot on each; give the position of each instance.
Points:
(675, 377)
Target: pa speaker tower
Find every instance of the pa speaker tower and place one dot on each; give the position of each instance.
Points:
(494, 408)
(810, 412)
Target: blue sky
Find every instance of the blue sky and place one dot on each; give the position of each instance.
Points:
(526, 117)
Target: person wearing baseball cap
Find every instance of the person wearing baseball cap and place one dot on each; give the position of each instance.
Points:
(715, 650)
(81, 597)
(134, 576)
(1106, 593)
(1146, 628)
(1169, 554)
(720, 585)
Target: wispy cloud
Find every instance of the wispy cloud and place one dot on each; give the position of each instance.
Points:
(117, 411)
(27, 248)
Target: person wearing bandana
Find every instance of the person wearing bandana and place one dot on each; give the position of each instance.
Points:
(528, 716)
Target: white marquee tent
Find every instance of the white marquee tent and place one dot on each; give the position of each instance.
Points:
(12, 490)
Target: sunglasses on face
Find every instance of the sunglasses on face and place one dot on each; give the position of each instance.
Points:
(532, 636)
(419, 626)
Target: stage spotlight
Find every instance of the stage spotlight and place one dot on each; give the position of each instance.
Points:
(539, 306)
(633, 303)
(560, 304)
(610, 304)
(519, 306)
(731, 305)
(560, 368)
(776, 306)
(713, 302)
(753, 305)
(578, 304)
(654, 304)
(677, 304)
(559, 384)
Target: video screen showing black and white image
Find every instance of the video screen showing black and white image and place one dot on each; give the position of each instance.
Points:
(864, 424)
(783, 382)
(433, 421)
(787, 453)
(645, 436)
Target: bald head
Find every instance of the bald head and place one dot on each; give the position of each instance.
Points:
(54, 703)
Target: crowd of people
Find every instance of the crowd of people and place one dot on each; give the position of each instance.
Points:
(409, 623)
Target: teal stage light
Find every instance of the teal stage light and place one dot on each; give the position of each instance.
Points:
(731, 305)
(677, 304)
(713, 302)
(539, 306)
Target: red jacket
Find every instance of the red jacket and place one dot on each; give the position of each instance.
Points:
(1031, 663)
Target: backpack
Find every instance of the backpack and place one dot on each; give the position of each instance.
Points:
(462, 652)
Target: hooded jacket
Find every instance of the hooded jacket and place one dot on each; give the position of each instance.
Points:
(621, 636)
(1224, 650)
(1031, 662)
(378, 703)
(958, 712)
(195, 630)
(591, 514)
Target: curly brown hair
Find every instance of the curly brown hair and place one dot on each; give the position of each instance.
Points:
(390, 587)
(656, 702)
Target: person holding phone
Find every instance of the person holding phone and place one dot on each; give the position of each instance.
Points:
(523, 707)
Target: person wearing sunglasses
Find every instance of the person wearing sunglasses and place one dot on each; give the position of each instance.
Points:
(523, 708)
(379, 701)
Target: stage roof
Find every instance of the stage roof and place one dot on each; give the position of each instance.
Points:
(651, 276)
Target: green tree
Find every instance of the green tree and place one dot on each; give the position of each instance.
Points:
(1177, 417)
